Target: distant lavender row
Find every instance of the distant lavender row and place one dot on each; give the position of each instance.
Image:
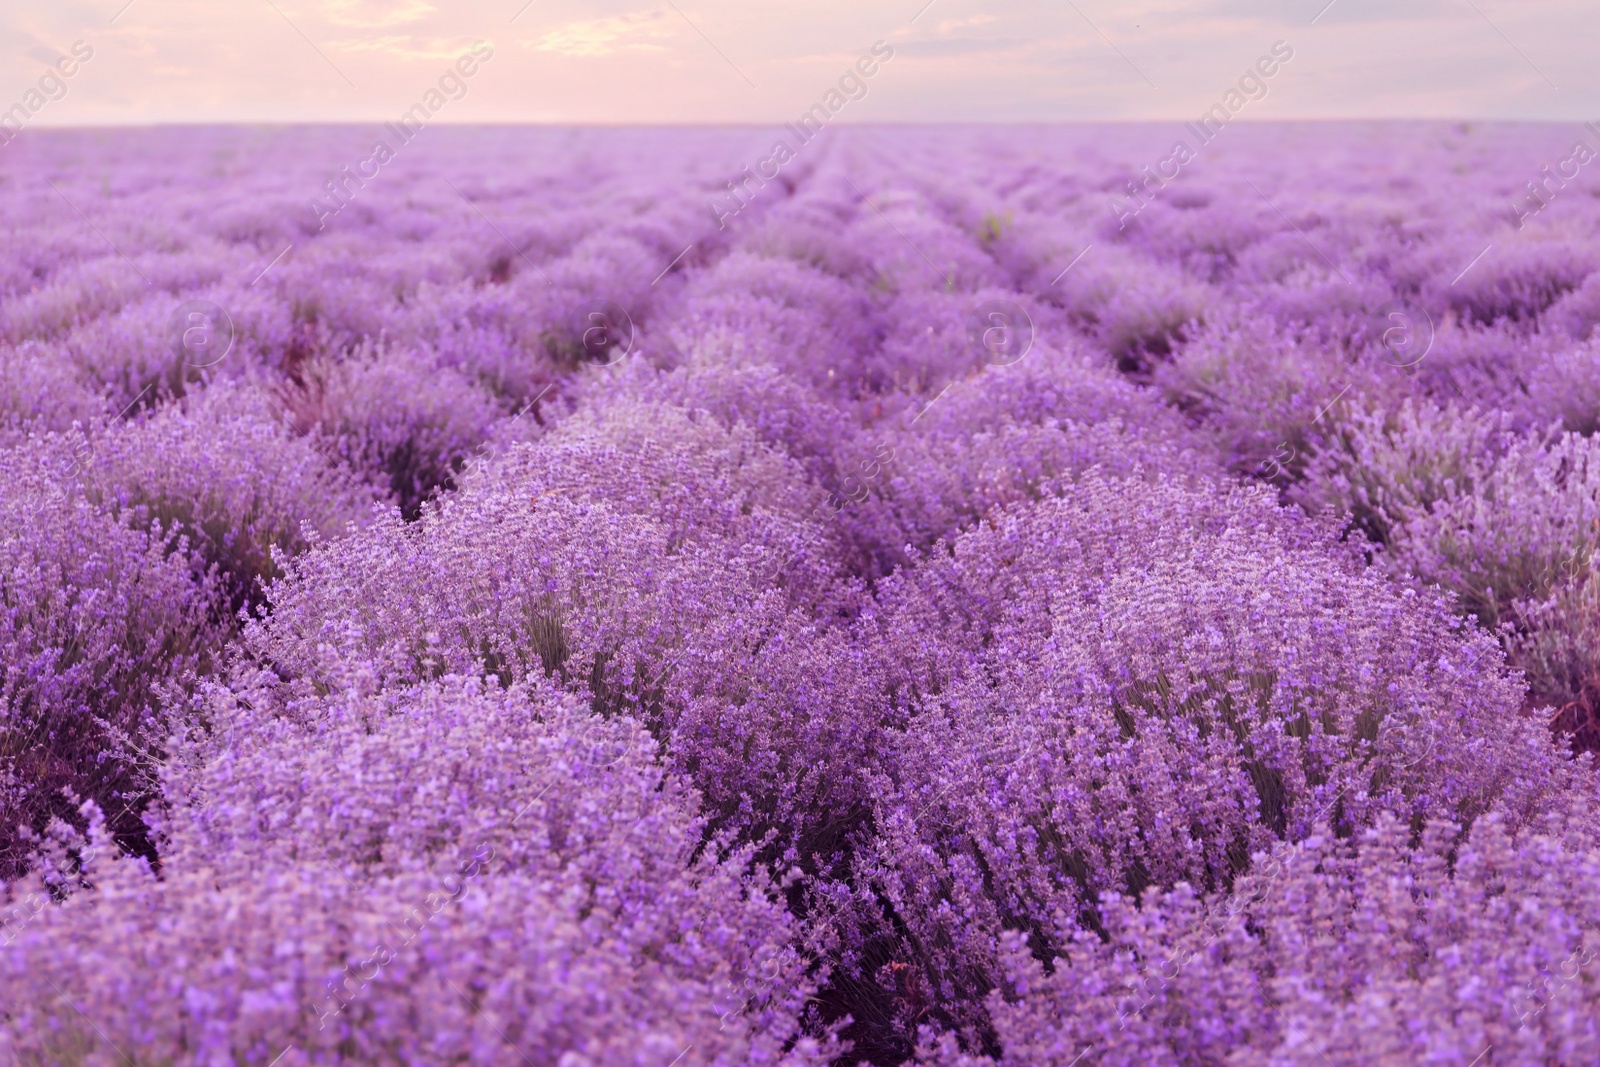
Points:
(932, 613)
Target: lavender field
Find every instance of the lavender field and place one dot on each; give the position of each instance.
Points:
(942, 595)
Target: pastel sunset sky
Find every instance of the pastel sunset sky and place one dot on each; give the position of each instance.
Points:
(747, 61)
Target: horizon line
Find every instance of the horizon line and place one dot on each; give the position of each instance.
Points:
(757, 124)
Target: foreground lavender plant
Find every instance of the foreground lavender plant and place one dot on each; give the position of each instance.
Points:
(555, 625)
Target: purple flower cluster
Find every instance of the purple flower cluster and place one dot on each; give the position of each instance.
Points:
(922, 616)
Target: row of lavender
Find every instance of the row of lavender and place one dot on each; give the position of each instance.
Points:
(533, 614)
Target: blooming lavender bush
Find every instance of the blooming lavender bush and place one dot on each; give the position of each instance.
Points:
(532, 885)
(1143, 685)
(98, 613)
(223, 472)
(964, 606)
(1381, 947)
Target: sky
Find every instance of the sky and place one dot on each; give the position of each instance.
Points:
(750, 61)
